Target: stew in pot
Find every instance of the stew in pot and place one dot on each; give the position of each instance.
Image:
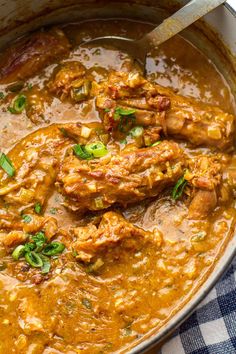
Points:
(116, 187)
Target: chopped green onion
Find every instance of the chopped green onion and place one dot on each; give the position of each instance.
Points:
(18, 105)
(179, 188)
(124, 116)
(1, 95)
(46, 264)
(33, 259)
(97, 149)
(30, 86)
(38, 208)
(39, 239)
(136, 132)
(29, 246)
(82, 92)
(107, 110)
(53, 248)
(87, 303)
(156, 143)
(6, 165)
(27, 218)
(80, 151)
(18, 252)
(124, 112)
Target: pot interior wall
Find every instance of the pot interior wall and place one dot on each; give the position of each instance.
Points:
(19, 17)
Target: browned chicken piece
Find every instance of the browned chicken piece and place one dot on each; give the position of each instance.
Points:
(122, 178)
(178, 116)
(20, 230)
(35, 159)
(205, 174)
(69, 80)
(111, 231)
(84, 133)
(31, 54)
(202, 204)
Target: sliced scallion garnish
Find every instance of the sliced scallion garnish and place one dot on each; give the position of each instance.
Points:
(80, 151)
(136, 132)
(179, 188)
(18, 105)
(38, 208)
(97, 149)
(7, 165)
(27, 218)
(123, 112)
(33, 259)
(156, 143)
(46, 264)
(53, 248)
(18, 252)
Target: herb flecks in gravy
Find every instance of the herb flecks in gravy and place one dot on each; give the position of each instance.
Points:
(116, 190)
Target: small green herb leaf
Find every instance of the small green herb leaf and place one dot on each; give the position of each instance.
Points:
(26, 218)
(6, 165)
(38, 208)
(39, 239)
(1, 95)
(29, 246)
(179, 188)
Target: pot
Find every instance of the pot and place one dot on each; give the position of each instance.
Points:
(215, 35)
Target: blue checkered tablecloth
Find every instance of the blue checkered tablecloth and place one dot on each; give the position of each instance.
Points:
(212, 327)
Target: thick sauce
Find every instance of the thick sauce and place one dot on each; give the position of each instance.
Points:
(73, 310)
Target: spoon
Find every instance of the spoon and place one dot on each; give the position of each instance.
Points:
(181, 19)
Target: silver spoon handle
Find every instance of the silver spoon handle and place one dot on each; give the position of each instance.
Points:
(181, 19)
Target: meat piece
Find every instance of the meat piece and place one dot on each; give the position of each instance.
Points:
(21, 230)
(68, 77)
(14, 238)
(36, 160)
(205, 175)
(180, 117)
(202, 204)
(122, 178)
(204, 172)
(31, 54)
(111, 231)
(199, 123)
